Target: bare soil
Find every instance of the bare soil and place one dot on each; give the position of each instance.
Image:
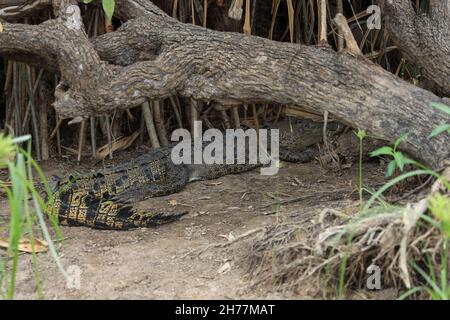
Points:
(172, 262)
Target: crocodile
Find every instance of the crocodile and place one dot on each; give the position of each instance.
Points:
(298, 141)
(104, 199)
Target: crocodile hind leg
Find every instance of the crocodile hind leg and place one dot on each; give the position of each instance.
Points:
(81, 208)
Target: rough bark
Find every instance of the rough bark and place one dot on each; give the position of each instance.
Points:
(154, 56)
(423, 38)
(11, 9)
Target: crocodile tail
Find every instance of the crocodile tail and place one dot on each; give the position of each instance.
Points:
(137, 219)
(81, 208)
(121, 216)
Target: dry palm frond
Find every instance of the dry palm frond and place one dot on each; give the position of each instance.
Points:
(117, 145)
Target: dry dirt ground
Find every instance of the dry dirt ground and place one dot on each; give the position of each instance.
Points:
(170, 262)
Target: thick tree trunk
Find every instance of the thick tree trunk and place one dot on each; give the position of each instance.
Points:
(154, 56)
(423, 38)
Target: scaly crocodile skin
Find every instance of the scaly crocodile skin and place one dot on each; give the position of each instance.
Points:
(150, 175)
(83, 208)
(299, 139)
(101, 199)
(298, 143)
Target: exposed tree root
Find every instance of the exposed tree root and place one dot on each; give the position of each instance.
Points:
(392, 239)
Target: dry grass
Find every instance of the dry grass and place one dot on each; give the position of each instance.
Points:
(335, 248)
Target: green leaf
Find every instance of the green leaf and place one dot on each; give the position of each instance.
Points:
(390, 168)
(87, 1)
(21, 138)
(443, 107)
(410, 292)
(400, 139)
(434, 290)
(361, 134)
(439, 130)
(439, 205)
(400, 160)
(407, 160)
(108, 7)
(382, 151)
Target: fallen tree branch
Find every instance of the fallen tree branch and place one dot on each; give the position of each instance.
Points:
(154, 56)
(11, 10)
